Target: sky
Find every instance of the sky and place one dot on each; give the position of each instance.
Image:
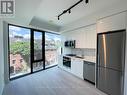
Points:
(18, 31)
(52, 36)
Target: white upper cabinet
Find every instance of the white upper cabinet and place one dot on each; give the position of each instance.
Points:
(90, 35)
(114, 22)
(78, 34)
(85, 37)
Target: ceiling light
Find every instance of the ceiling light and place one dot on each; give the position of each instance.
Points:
(58, 18)
(69, 9)
(87, 1)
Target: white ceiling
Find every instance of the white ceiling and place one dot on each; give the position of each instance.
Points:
(24, 11)
(48, 10)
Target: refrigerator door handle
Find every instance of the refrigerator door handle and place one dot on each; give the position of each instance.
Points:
(122, 84)
(97, 77)
(97, 70)
(98, 60)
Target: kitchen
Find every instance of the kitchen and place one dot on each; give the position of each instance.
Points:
(82, 53)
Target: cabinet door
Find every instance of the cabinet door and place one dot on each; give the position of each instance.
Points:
(78, 37)
(77, 67)
(114, 22)
(91, 37)
(80, 68)
(73, 66)
(83, 37)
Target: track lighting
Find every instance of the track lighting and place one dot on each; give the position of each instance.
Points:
(58, 18)
(69, 9)
(87, 1)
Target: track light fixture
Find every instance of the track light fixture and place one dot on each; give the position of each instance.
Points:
(58, 18)
(87, 1)
(69, 9)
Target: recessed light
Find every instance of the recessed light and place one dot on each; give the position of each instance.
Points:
(51, 21)
(101, 22)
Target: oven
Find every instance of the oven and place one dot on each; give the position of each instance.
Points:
(66, 61)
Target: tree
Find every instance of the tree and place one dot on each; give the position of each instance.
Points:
(22, 48)
(58, 44)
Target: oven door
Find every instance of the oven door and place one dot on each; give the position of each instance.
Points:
(67, 62)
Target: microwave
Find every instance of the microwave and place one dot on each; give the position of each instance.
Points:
(70, 43)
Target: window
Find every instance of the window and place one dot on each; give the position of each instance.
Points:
(21, 60)
(52, 49)
(31, 50)
(12, 69)
(13, 61)
(19, 44)
(38, 50)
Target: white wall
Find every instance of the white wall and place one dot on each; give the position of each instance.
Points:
(5, 45)
(1, 59)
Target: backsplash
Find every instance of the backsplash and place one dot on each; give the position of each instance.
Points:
(84, 52)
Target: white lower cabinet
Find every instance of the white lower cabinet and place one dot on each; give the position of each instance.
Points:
(77, 67)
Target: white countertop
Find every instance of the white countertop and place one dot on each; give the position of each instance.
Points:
(90, 58)
(86, 58)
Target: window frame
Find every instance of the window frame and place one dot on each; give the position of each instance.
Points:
(31, 50)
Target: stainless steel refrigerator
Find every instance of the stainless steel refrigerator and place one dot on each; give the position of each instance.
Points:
(110, 62)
